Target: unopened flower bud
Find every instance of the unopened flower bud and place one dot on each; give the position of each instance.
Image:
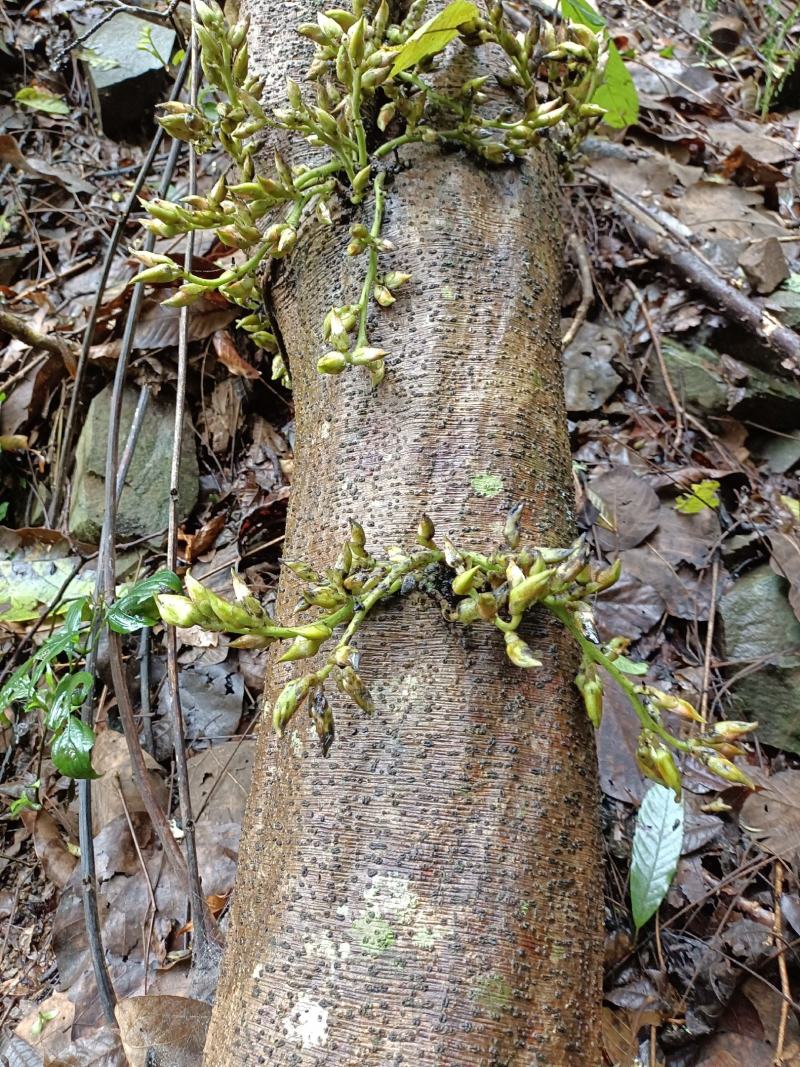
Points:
(519, 652)
(331, 363)
(729, 772)
(383, 296)
(732, 731)
(533, 588)
(289, 699)
(363, 356)
(466, 581)
(425, 530)
(177, 610)
(300, 648)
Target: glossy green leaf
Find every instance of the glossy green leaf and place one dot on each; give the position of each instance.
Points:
(71, 750)
(585, 14)
(630, 666)
(434, 35)
(40, 99)
(70, 693)
(656, 849)
(701, 496)
(617, 93)
(136, 606)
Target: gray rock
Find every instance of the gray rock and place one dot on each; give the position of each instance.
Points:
(707, 383)
(760, 628)
(143, 504)
(126, 80)
(589, 378)
(765, 264)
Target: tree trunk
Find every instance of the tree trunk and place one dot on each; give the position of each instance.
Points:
(431, 893)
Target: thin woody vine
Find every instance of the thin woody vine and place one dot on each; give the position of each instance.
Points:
(375, 89)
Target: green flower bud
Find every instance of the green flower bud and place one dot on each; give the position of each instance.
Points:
(591, 689)
(300, 648)
(732, 731)
(386, 114)
(163, 272)
(251, 641)
(331, 29)
(362, 356)
(289, 700)
(383, 296)
(425, 530)
(395, 278)
(238, 34)
(210, 14)
(331, 363)
(177, 610)
(466, 581)
(361, 180)
(729, 772)
(187, 295)
(466, 612)
(519, 652)
(533, 588)
(355, 45)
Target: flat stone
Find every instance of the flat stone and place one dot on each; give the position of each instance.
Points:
(126, 80)
(707, 383)
(144, 501)
(759, 625)
(765, 265)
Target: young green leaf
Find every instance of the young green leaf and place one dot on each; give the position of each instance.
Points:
(434, 35)
(701, 495)
(617, 93)
(585, 14)
(630, 666)
(71, 751)
(656, 848)
(136, 607)
(40, 99)
(69, 694)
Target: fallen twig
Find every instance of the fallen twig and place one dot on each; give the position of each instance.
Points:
(726, 297)
(576, 243)
(19, 327)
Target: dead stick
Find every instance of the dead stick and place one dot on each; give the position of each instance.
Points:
(782, 968)
(20, 328)
(578, 246)
(733, 303)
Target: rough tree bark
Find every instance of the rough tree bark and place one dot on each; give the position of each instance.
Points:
(431, 893)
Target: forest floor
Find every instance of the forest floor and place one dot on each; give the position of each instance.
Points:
(684, 417)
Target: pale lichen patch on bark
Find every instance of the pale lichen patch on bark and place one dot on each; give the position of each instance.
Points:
(307, 1024)
(488, 485)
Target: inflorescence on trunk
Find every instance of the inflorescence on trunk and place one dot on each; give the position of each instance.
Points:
(499, 590)
(362, 66)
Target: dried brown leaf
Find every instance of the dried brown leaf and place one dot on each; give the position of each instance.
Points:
(172, 1029)
(772, 816)
(57, 862)
(630, 507)
(229, 357)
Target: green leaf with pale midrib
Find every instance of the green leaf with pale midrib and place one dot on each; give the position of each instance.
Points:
(434, 35)
(656, 849)
(616, 93)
